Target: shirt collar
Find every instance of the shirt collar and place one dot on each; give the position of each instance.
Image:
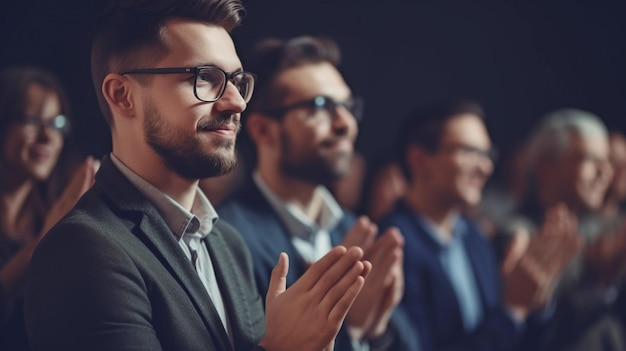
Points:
(458, 230)
(294, 219)
(178, 219)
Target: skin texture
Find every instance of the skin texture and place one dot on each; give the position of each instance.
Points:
(152, 120)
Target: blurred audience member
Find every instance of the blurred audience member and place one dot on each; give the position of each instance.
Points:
(453, 287)
(303, 121)
(568, 162)
(34, 122)
(615, 198)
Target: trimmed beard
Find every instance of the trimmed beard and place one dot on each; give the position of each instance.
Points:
(183, 153)
(312, 168)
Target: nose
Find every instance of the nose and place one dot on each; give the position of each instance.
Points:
(342, 121)
(231, 100)
(487, 166)
(44, 132)
(605, 170)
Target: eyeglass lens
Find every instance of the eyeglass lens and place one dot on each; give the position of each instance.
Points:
(352, 104)
(211, 82)
(59, 123)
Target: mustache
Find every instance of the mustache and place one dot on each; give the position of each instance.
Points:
(333, 140)
(220, 122)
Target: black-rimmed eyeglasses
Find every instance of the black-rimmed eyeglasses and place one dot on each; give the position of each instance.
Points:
(209, 81)
(353, 104)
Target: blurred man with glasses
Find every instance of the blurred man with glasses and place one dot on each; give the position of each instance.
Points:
(455, 295)
(303, 122)
(144, 262)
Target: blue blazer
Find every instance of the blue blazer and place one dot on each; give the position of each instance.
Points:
(430, 299)
(266, 235)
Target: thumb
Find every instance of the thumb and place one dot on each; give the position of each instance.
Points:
(278, 280)
(516, 249)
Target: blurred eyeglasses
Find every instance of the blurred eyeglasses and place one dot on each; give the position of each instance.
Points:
(58, 123)
(324, 105)
(209, 81)
(472, 152)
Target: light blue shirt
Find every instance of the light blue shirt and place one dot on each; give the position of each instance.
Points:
(458, 268)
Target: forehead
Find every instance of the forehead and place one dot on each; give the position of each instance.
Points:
(309, 80)
(194, 43)
(589, 144)
(465, 128)
(41, 101)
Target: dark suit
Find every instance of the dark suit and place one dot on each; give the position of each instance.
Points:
(266, 236)
(431, 301)
(111, 276)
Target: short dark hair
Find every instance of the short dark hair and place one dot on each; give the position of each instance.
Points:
(128, 27)
(14, 83)
(271, 56)
(424, 125)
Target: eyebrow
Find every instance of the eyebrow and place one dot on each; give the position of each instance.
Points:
(238, 69)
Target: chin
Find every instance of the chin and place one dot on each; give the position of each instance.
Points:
(40, 176)
(472, 199)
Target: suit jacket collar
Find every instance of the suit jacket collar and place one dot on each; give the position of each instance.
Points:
(143, 215)
(473, 247)
(274, 235)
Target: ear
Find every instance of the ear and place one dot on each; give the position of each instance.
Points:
(415, 158)
(262, 129)
(118, 94)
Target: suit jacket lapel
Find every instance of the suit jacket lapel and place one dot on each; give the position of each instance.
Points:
(275, 236)
(164, 246)
(227, 278)
(483, 271)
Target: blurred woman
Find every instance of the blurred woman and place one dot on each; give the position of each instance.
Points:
(34, 124)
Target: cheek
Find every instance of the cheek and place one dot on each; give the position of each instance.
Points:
(587, 173)
(16, 144)
(57, 143)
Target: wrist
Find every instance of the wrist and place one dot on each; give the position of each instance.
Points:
(384, 341)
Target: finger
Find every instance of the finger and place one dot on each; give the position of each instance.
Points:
(362, 233)
(81, 181)
(342, 270)
(341, 297)
(278, 279)
(312, 275)
(518, 245)
(391, 240)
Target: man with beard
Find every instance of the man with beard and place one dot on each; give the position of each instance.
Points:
(143, 261)
(303, 124)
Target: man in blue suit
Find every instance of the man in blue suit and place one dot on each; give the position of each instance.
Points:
(453, 288)
(303, 124)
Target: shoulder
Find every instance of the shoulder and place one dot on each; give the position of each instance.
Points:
(246, 201)
(399, 217)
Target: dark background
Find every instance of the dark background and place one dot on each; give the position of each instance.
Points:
(520, 59)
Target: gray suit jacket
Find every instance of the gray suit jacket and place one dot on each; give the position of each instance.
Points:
(111, 276)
